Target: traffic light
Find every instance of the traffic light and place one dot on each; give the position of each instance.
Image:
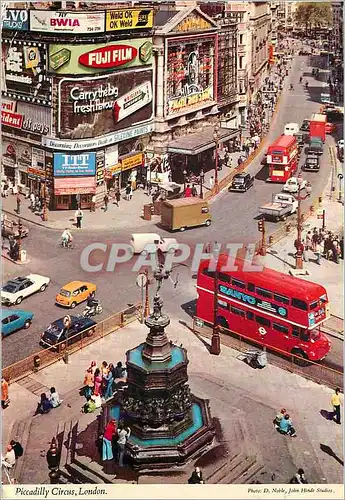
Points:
(20, 228)
(261, 226)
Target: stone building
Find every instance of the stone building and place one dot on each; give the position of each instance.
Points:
(185, 82)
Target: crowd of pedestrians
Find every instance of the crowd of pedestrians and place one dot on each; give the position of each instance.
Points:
(324, 244)
(100, 382)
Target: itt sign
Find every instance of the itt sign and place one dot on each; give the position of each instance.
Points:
(74, 165)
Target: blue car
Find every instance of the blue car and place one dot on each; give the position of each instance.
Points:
(14, 319)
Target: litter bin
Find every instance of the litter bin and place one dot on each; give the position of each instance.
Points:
(22, 256)
(147, 212)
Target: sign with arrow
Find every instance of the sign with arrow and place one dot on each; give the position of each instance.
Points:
(131, 102)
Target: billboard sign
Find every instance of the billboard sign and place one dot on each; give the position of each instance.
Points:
(25, 116)
(190, 76)
(129, 19)
(95, 106)
(99, 58)
(25, 71)
(66, 165)
(15, 20)
(81, 23)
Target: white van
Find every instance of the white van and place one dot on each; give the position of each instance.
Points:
(291, 129)
(149, 242)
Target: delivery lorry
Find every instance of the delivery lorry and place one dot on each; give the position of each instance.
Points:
(177, 215)
(317, 126)
(281, 207)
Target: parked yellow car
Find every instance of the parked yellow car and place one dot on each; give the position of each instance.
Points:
(74, 293)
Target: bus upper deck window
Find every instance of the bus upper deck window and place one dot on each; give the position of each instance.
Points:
(300, 304)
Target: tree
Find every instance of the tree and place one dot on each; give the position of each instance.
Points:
(312, 14)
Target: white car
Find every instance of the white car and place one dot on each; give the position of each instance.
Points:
(291, 185)
(17, 289)
(149, 243)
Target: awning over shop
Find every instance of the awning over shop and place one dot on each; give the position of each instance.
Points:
(198, 142)
(74, 185)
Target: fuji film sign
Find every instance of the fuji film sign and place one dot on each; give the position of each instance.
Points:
(108, 56)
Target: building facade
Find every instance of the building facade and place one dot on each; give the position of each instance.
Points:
(286, 13)
(77, 108)
(186, 92)
(260, 26)
(337, 25)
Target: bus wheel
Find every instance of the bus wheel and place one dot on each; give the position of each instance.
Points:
(298, 361)
(222, 322)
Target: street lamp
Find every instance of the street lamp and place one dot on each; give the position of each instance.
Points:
(184, 180)
(45, 211)
(299, 198)
(202, 178)
(216, 140)
(215, 340)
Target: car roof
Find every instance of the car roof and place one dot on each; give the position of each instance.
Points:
(72, 285)
(5, 312)
(74, 319)
(242, 174)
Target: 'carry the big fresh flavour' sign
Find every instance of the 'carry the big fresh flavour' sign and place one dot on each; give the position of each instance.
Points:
(16, 20)
(99, 58)
(48, 21)
(96, 106)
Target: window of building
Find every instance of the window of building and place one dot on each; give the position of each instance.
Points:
(236, 310)
(241, 62)
(262, 321)
(263, 292)
(241, 39)
(300, 304)
(238, 283)
(280, 328)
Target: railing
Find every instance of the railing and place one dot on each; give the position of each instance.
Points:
(46, 357)
(290, 362)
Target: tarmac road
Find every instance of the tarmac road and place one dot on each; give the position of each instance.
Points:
(234, 221)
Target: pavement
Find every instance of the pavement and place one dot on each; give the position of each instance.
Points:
(227, 380)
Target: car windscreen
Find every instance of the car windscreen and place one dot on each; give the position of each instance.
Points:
(65, 293)
(9, 288)
(238, 180)
(53, 330)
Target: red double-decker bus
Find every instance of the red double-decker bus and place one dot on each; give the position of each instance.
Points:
(276, 309)
(282, 158)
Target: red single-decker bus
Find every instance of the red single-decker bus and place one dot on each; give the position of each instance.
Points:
(282, 159)
(267, 306)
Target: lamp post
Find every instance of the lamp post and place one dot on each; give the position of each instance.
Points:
(45, 211)
(19, 238)
(215, 340)
(202, 178)
(216, 140)
(184, 180)
(299, 198)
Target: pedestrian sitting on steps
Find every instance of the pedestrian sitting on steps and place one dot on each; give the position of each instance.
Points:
(285, 426)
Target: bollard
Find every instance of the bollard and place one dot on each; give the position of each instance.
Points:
(37, 362)
(270, 240)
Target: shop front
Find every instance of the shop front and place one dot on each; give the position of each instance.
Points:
(74, 180)
(71, 192)
(130, 168)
